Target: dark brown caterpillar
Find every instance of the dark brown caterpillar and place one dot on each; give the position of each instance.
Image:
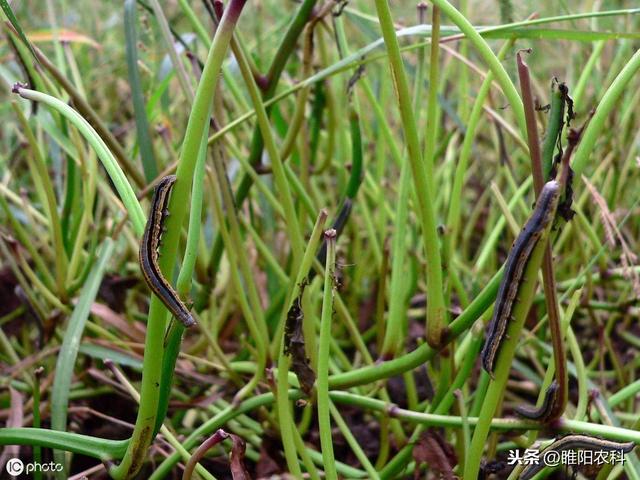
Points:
(148, 255)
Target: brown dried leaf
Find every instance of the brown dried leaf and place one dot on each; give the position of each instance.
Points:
(294, 345)
(434, 451)
(271, 461)
(238, 470)
(266, 466)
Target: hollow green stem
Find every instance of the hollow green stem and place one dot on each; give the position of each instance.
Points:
(489, 57)
(525, 294)
(283, 407)
(152, 365)
(436, 312)
(324, 404)
(606, 105)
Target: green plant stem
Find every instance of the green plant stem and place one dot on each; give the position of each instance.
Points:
(356, 58)
(108, 161)
(433, 119)
(23, 236)
(285, 48)
(489, 57)
(301, 101)
(282, 379)
(247, 297)
(453, 218)
(41, 176)
(496, 388)
(152, 364)
(37, 450)
(200, 29)
(554, 128)
(145, 144)
(432, 101)
(393, 467)
(548, 277)
(353, 442)
(183, 80)
(596, 125)
(488, 247)
(324, 404)
(89, 177)
(586, 74)
(282, 185)
(90, 114)
(93, 447)
(399, 285)
(69, 350)
(183, 285)
(110, 449)
(436, 312)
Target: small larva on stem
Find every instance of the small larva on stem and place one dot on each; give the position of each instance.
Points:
(148, 254)
(517, 260)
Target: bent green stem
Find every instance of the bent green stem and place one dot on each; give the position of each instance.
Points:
(152, 364)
